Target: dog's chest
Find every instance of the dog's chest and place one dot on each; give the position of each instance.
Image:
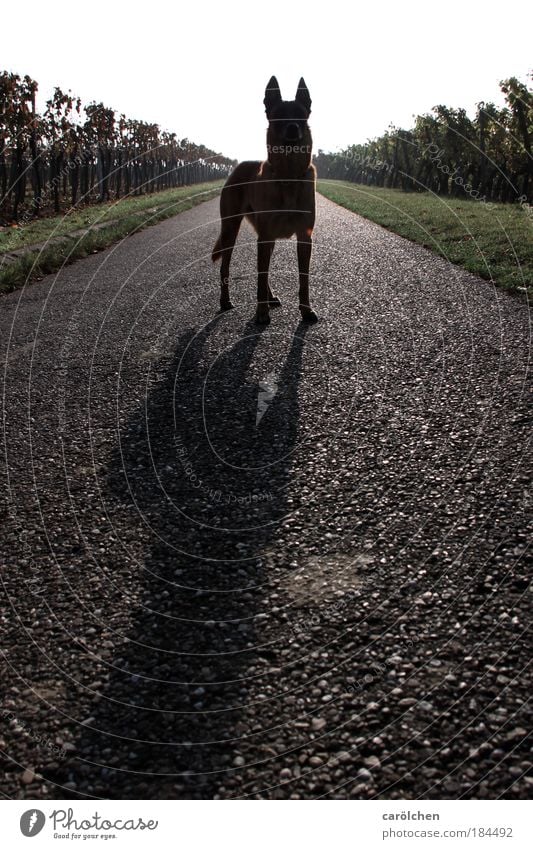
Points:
(287, 217)
(285, 207)
(289, 194)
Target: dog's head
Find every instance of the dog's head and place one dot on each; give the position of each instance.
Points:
(287, 119)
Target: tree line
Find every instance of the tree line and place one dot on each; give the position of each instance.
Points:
(70, 155)
(487, 157)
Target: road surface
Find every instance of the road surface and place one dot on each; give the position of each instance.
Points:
(278, 563)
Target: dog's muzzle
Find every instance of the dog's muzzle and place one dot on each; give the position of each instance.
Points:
(293, 132)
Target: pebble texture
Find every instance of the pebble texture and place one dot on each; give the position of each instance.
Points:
(277, 563)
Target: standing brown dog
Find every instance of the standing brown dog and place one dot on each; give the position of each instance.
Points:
(276, 196)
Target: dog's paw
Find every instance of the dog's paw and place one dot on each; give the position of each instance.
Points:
(262, 317)
(308, 315)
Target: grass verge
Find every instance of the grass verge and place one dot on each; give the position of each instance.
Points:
(45, 245)
(493, 240)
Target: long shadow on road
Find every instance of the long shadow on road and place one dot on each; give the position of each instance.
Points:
(210, 480)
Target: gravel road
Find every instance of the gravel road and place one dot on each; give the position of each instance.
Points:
(278, 563)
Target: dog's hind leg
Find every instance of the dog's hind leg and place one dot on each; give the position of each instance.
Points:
(273, 300)
(264, 252)
(226, 243)
(304, 260)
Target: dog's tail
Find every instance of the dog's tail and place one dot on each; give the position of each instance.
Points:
(217, 250)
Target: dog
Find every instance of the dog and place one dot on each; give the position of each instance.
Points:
(276, 196)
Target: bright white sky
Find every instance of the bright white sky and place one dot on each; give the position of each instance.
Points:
(200, 69)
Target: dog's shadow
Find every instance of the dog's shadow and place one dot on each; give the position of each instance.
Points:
(207, 461)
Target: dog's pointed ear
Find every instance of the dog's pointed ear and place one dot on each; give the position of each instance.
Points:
(272, 95)
(302, 95)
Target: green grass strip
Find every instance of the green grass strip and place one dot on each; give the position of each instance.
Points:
(45, 245)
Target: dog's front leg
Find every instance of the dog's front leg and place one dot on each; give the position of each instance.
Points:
(304, 260)
(264, 252)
